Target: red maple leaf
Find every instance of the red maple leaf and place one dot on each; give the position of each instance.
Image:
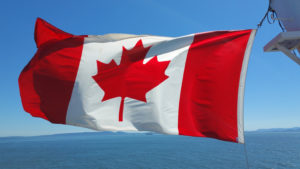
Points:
(132, 78)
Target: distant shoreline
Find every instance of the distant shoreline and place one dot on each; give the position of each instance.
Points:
(294, 129)
(271, 130)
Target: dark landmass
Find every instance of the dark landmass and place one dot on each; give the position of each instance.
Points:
(91, 134)
(294, 129)
(83, 134)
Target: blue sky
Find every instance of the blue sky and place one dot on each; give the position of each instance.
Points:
(273, 81)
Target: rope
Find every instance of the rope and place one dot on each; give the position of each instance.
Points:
(279, 22)
(246, 156)
(265, 16)
(273, 17)
(263, 19)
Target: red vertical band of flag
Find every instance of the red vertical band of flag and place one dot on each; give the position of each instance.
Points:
(46, 83)
(209, 93)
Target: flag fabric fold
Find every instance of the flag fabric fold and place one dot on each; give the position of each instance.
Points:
(191, 85)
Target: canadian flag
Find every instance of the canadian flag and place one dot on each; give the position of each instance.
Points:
(191, 85)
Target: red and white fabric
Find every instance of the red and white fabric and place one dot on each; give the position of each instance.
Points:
(191, 85)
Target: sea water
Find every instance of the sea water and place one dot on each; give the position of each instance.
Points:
(149, 151)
